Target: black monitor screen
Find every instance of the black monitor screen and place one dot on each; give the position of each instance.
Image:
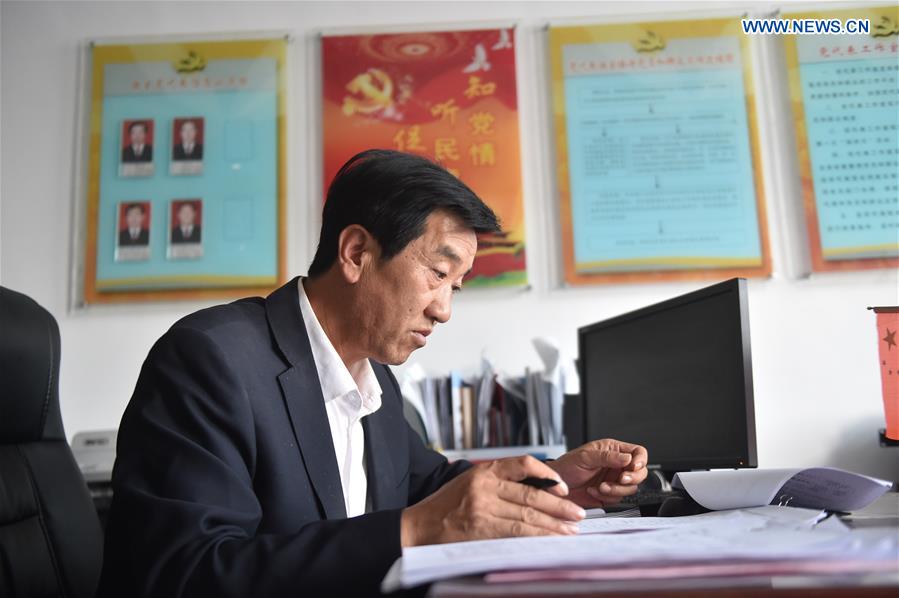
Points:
(675, 377)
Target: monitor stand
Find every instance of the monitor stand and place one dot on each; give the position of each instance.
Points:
(659, 480)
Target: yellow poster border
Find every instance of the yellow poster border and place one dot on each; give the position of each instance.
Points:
(206, 287)
(818, 254)
(628, 32)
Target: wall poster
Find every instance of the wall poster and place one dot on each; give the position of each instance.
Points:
(845, 99)
(657, 152)
(185, 174)
(449, 95)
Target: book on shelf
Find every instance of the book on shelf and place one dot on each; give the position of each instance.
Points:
(455, 388)
(487, 410)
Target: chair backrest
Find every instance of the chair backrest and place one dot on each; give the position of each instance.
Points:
(50, 539)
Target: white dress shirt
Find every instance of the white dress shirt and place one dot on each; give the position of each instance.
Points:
(350, 394)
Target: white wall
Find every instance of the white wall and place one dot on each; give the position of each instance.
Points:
(817, 388)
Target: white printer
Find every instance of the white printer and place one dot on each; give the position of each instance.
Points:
(95, 454)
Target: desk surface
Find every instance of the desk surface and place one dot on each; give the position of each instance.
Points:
(882, 513)
(752, 589)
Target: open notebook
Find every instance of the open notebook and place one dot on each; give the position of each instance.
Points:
(812, 488)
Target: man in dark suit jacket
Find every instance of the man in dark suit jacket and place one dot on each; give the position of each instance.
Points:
(128, 239)
(181, 152)
(188, 149)
(227, 480)
(187, 235)
(135, 232)
(137, 149)
(135, 153)
(186, 231)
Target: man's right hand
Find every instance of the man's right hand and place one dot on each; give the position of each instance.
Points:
(487, 501)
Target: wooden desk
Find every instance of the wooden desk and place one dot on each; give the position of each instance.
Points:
(883, 513)
(475, 589)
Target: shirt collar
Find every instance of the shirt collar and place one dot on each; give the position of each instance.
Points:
(336, 379)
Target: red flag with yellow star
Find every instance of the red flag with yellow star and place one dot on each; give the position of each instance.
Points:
(887, 327)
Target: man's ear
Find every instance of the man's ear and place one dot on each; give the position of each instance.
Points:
(355, 251)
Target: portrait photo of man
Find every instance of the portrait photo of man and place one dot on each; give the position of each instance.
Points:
(185, 238)
(135, 232)
(187, 148)
(188, 144)
(133, 225)
(138, 145)
(137, 148)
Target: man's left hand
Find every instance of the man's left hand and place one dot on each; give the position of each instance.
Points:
(601, 472)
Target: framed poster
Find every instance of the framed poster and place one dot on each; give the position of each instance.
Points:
(657, 150)
(186, 170)
(843, 91)
(449, 95)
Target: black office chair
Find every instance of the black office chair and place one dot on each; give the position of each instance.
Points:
(50, 538)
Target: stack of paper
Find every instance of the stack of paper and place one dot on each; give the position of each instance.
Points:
(764, 534)
(700, 570)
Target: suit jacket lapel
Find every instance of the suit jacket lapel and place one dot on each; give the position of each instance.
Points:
(380, 471)
(303, 396)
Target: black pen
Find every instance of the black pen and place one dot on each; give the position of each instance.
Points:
(539, 483)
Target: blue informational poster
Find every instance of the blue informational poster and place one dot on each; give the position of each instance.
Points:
(660, 165)
(850, 98)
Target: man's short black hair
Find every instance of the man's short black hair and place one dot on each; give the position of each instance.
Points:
(133, 206)
(138, 123)
(391, 194)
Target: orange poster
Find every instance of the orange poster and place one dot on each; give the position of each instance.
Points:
(448, 95)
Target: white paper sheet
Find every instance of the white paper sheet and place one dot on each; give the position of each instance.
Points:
(745, 520)
(815, 487)
(411, 390)
(561, 376)
(756, 534)
(484, 398)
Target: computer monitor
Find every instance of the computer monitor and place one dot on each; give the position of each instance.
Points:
(675, 377)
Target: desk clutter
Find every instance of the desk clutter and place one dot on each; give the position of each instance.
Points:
(762, 541)
(491, 409)
(482, 412)
(751, 531)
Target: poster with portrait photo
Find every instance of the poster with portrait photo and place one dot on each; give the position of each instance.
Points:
(187, 146)
(133, 231)
(136, 150)
(233, 90)
(186, 229)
